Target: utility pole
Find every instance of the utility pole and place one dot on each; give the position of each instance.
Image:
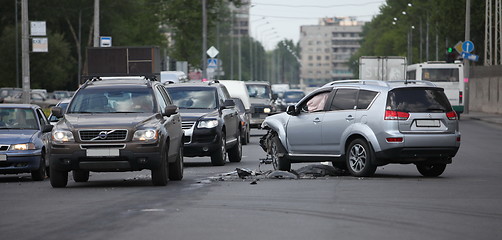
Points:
(204, 40)
(25, 52)
(96, 23)
(17, 45)
(466, 61)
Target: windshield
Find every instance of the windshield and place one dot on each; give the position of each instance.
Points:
(193, 98)
(259, 91)
(17, 118)
(293, 95)
(440, 74)
(108, 100)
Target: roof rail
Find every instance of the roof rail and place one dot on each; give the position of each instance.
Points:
(406, 82)
(213, 82)
(358, 81)
(148, 76)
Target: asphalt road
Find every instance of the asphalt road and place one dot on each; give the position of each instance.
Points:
(397, 203)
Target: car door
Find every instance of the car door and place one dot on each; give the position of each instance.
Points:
(338, 119)
(304, 130)
(230, 116)
(172, 123)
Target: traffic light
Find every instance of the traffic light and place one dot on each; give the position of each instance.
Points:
(451, 55)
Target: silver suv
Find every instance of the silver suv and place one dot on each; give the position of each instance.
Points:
(361, 124)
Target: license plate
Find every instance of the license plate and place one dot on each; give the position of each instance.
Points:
(428, 123)
(3, 157)
(103, 152)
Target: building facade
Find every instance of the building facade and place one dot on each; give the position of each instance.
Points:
(327, 48)
(240, 15)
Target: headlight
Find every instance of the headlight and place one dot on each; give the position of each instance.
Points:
(62, 136)
(147, 135)
(22, 146)
(207, 124)
(266, 110)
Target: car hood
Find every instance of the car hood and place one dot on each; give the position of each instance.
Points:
(113, 120)
(13, 136)
(260, 101)
(195, 114)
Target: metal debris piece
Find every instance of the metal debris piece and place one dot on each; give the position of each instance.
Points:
(244, 172)
(320, 170)
(281, 175)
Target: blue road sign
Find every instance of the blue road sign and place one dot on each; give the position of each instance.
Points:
(472, 57)
(468, 46)
(212, 63)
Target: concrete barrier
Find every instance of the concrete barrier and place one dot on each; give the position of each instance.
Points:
(485, 88)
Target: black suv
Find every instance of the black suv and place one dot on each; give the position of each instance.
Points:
(117, 124)
(210, 121)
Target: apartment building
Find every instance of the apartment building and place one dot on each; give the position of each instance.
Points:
(326, 49)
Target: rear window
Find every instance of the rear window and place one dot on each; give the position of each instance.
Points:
(418, 100)
(440, 74)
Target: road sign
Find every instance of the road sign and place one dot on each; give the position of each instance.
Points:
(472, 57)
(212, 63)
(212, 52)
(105, 41)
(458, 47)
(468, 46)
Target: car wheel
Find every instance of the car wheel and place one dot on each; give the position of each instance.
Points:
(39, 174)
(431, 170)
(235, 153)
(59, 179)
(80, 175)
(279, 163)
(219, 157)
(160, 174)
(248, 135)
(360, 159)
(176, 168)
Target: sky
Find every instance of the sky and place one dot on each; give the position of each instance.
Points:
(274, 20)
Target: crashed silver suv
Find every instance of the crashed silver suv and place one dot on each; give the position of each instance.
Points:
(117, 124)
(361, 124)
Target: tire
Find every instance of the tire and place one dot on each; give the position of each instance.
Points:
(235, 153)
(80, 175)
(431, 170)
(59, 179)
(176, 168)
(339, 165)
(160, 174)
(279, 163)
(39, 174)
(219, 157)
(360, 159)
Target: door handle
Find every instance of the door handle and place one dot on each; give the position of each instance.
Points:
(349, 118)
(317, 120)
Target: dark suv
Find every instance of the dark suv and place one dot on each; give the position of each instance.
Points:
(117, 124)
(210, 121)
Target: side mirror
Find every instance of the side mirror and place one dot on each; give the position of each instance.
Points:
(170, 110)
(57, 111)
(47, 128)
(228, 103)
(291, 110)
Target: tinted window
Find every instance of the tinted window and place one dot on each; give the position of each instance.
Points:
(239, 105)
(344, 99)
(365, 99)
(193, 97)
(418, 100)
(161, 99)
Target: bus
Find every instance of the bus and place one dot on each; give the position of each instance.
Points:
(449, 76)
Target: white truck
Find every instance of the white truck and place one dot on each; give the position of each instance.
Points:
(385, 68)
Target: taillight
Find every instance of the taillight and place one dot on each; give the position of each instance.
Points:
(458, 139)
(451, 115)
(460, 97)
(396, 115)
(394, 139)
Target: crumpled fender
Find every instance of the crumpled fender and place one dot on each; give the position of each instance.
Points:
(278, 124)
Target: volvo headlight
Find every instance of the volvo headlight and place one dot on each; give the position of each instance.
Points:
(146, 135)
(62, 136)
(266, 110)
(22, 146)
(207, 124)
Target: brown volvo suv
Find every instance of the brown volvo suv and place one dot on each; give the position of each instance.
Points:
(117, 124)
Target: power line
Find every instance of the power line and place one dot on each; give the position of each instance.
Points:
(286, 17)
